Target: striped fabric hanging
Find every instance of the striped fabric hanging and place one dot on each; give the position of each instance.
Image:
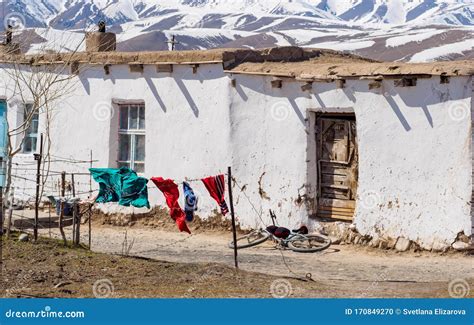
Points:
(216, 188)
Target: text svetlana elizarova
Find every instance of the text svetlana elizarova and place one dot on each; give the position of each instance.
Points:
(403, 311)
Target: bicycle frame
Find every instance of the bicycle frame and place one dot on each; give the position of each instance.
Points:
(284, 241)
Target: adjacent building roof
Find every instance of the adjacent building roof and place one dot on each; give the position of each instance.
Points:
(292, 62)
(316, 69)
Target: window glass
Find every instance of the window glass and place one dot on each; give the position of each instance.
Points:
(139, 168)
(124, 147)
(132, 138)
(31, 132)
(123, 117)
(133, 118)
(123, 164)
(28, 145)
(142, 118)
(34, 124)
(139, 148)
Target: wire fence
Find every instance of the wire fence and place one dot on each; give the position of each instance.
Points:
(76, 181)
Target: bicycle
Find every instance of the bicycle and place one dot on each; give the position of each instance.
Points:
(297, 240)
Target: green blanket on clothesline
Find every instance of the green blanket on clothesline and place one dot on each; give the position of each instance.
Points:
(121, 185)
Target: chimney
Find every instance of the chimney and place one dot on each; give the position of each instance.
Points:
(100, 41)
(8, 47)
(9, 35)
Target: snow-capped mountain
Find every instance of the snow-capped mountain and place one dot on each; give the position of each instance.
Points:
(382, 29)
(68, 13)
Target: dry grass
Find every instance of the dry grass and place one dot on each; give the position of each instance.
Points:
(48, 269)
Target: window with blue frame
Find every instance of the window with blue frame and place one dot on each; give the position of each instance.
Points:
(31, 133)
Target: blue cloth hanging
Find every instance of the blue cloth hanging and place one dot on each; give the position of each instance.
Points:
(122, 186)
(190, 201)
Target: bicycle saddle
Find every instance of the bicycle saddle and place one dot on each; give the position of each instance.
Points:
(302, 230)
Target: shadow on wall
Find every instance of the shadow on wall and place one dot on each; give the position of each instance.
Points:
(85, 83)
(265, 87)
(427, 92)
(180, 75)
(187, 95)
(155, 93)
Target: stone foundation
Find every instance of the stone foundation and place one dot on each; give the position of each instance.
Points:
(344, 234)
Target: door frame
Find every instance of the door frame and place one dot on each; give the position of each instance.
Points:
(311, 152)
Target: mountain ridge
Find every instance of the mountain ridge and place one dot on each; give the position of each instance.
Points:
(379, 29)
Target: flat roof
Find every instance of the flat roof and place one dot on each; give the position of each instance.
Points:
(290, 61)
(315, 69)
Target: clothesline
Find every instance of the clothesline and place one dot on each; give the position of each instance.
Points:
(193, 180)
(129, 189)
(197, 180)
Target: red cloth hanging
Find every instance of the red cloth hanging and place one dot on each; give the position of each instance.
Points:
(216, 187)
(171, 193)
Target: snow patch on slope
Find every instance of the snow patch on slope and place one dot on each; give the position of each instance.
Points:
(417, 37)
(346, 46)
(443, 51)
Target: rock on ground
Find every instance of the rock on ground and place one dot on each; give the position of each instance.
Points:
(402, 244)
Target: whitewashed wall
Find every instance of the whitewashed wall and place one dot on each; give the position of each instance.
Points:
(414, 143)
(415, 166)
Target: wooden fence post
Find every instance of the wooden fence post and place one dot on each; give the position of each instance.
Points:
(10, 211)
(61, 213)
(73, 210)
(38, 158)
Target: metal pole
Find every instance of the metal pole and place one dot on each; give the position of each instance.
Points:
(38, 159)
(90, 179)
(231, 202)
(73, 209)
(90, 207)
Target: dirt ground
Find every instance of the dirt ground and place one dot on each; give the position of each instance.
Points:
(174, 264)
(48, 269)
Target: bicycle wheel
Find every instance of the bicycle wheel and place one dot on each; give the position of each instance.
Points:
(254, 238)
(309, 243)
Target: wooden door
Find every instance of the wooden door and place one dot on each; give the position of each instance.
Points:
(337, 159)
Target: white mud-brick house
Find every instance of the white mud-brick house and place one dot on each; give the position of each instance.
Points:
(316, 135)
